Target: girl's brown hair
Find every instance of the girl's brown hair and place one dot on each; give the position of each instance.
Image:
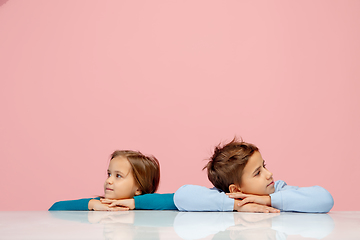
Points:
(227, 163)
(145, 169)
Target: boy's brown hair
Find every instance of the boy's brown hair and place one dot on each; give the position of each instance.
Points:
(227, 163)
(145, 169)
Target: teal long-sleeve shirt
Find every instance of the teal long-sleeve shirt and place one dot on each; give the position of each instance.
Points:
(153, 201)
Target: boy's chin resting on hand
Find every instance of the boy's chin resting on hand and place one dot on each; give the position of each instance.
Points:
(250, 198)
(253, 207)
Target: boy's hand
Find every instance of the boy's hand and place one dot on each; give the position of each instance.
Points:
(127, 203)
(250, 198)
(254, 207)
(97, 205)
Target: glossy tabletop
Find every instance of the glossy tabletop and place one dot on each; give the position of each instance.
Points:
(178, 225)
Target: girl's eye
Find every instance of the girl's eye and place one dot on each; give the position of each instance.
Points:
(118, 175)
(257, 173)
(109, 174)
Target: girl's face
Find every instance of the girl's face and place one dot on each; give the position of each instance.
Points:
(256, 179)
(120, 182)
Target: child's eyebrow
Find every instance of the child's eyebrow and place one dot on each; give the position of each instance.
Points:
(257, 169)
(121, 173)
(116, 171)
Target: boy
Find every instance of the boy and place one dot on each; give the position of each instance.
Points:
(243, 183)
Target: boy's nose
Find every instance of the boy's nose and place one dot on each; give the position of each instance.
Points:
(269, 174)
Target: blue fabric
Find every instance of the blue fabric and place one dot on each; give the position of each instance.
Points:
(285, 198)
(153, 201)
(313, 199)
(198, 198)
(72, 205)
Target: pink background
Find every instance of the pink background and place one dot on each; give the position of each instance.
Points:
(80, 79)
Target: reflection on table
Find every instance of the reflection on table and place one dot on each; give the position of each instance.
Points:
(177, 225)
(223, 225)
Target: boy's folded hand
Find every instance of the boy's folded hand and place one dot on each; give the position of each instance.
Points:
(250, 198)
(254, 207)
(129, 203)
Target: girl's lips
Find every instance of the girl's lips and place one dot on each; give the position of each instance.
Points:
(108, 189)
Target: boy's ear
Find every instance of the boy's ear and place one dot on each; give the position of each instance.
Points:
(233, 188)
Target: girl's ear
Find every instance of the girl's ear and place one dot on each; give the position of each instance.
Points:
(233, 188)
(138, 192)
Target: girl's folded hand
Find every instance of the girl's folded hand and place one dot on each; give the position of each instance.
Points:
(128, 204)
(97, 205)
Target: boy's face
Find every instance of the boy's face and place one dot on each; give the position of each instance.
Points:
(256, 179)
(120, 182)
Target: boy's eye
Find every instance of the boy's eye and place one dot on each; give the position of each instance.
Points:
(257, 173)
(109, 174)
(118, 175)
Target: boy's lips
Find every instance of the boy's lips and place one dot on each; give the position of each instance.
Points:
(270, 184)
(109, 189)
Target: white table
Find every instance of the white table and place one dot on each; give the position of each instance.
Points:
(177, 225)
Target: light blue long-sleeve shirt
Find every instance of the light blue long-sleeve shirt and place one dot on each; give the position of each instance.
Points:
(313, 199)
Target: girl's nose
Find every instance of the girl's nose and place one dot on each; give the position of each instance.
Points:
(109, 180)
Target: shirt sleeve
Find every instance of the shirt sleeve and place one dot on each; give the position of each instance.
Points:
(155, 201)
(72, 205)
(313, 199)
(198, 198)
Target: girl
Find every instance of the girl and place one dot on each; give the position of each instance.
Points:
(130, 175)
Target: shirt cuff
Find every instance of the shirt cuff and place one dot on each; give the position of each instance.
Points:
(228, 204)
(276, 200)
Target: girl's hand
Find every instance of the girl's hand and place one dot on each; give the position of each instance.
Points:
(97, 205)
(250, 198)
(123, 203)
